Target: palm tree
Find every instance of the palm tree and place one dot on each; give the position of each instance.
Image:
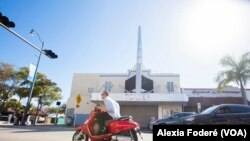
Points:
(238, 71)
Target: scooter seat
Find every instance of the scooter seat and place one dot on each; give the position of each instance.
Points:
(124, 118)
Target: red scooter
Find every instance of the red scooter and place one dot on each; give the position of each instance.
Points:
(121, 129)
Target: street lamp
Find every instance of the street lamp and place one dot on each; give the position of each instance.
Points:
(6, 24)
(32, 32)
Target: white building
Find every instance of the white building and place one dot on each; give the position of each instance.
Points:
(206, 97)
(142, 93)
(139, 92)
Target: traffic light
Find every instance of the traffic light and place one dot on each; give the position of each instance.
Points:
(5, 21)
(50, 54)
(58, 103)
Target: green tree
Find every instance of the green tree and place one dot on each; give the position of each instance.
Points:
(49, 90)
(7, 83)
(61, 109)
(15, 83)
(238, 71)
(10, 82)
(14, 104)
(22, 90)
(52, 110)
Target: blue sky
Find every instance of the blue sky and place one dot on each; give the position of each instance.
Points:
(187, 37)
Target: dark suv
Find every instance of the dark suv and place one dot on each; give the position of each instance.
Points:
(173, 119)
(222, 114)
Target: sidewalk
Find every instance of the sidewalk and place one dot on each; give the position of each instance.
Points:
(5, 123)
(37, 126)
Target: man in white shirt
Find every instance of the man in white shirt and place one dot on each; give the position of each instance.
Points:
(111, 106)
(111, 109)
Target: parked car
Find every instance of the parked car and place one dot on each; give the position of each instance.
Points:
(222, 114)
(4, 116)
(173, 119)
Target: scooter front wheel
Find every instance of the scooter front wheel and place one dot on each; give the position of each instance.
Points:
(79, 136)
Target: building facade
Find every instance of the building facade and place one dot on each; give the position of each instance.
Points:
(139, 92)
(202, 98)
(160, 97)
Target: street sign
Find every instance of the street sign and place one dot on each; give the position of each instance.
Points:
(78, 100)
(70, 111)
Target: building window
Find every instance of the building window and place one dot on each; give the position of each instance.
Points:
(170, 87)
(108, 86)
(146, 84)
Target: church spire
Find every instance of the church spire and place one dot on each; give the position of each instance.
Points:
(139, 63)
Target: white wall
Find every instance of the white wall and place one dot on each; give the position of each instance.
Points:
(164, 109)
(83, 81)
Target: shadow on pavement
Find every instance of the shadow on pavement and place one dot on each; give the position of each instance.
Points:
(46, 128)
(145, 130)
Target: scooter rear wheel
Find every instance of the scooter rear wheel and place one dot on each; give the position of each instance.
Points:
(125, 136)
(79, 136)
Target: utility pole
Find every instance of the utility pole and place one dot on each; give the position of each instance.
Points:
(7, 24)
(58, 103)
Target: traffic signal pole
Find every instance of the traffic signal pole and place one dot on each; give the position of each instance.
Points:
(20, 37)
(6, 24)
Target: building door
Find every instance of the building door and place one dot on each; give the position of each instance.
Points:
(140, 113)
(166, 112)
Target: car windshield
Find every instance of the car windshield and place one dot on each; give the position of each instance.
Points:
(209, 110)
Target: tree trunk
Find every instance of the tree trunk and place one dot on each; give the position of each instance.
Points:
(243, 93)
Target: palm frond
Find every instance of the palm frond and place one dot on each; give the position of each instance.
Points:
(226, 77)
(228, 61)
(246, 55)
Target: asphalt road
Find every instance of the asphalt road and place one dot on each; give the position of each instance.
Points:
(45, 133)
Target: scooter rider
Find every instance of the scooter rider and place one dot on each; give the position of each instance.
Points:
(111, 110)
(90, 129)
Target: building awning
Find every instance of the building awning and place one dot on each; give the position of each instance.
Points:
(209, 101)
(143, 98)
